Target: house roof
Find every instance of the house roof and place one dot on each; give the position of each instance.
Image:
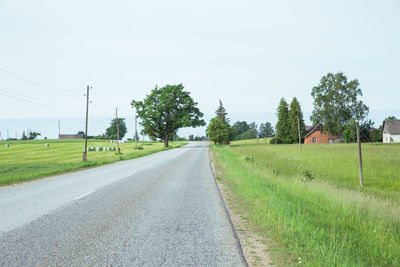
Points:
(308, 128)
(391, 127)
(313, 129)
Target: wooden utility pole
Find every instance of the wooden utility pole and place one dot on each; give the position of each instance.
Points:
(298, 128)
(116, 115)
(59, 129)
(87, 117)
(265, 134)
(359, 154)
(136, 136)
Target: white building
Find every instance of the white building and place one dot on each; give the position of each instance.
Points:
(391, 131)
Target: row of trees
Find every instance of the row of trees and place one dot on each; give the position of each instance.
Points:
(288, 122)
(220, 132)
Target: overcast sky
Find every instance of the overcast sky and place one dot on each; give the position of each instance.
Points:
(247, 53)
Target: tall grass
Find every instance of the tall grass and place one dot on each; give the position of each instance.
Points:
(312, 205)
(27, 160)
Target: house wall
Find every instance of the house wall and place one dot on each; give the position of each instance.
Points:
(389, 138)
(321, 138)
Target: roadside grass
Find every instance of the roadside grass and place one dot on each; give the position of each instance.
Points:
(27, 160)
(310, 203)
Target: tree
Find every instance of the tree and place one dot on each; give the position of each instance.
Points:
(82, 133)
(238, 128)
(111, 132)
(24, 137)
(167, 109)
(33, 135)
(283, 126)
(336, 103)
(253, 132)
(350, 131)
(265, 130)
(296, 114)
(218, 131)
(221, 113)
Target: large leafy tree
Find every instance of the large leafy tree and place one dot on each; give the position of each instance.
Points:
(295, 116)
(283, 126)
(218, 131)
(167, 109)
(336, 103)
(111, 132)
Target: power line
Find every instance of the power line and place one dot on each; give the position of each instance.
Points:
(40, 98)
(33, 102)
(35, 83)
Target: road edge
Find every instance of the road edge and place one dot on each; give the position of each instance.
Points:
(235, 236)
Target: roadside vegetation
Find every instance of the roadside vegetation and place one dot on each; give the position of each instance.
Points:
(25, 160)
(311, 203)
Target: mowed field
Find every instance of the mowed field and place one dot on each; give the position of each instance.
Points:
(27, 160)
(310, 203)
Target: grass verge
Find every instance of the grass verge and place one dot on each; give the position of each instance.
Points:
(316, 222)
(29, 160)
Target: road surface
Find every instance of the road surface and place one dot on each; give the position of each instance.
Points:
(159, 210)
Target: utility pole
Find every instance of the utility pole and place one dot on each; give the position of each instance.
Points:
(298, 128)
(59, 129)
(87, 117)
(265, 134)
(116, 114)
(359, 154)
(136, 136)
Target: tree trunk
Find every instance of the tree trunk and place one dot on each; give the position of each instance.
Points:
(166, 141)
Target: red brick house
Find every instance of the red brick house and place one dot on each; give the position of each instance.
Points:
(317, 136)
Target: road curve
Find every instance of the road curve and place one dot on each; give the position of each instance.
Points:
(159, 210)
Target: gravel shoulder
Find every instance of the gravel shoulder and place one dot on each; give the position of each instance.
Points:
(255, 248)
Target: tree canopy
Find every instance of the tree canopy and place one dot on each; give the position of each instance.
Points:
(221, 113)
(167, 109)
(283, 126)
(265, 130)
(296, 116)
(336, 103)
(218, 131)
(111, 132)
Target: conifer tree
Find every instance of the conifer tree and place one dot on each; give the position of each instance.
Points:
(221, 113)
(282, 126)
(295, 114)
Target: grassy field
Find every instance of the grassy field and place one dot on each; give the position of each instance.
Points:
(311, 203)
(27, 160)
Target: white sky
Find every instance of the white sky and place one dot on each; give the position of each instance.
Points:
(248, 53)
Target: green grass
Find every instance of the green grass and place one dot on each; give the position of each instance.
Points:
(27, 160)
(311, 202)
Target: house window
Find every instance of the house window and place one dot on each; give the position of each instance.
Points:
(314, 140)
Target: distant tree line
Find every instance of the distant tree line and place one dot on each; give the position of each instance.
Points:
(220, 132)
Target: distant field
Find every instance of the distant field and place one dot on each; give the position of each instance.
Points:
(311, 202)
(27, 160)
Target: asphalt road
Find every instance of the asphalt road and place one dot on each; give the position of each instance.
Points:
(159, 210)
